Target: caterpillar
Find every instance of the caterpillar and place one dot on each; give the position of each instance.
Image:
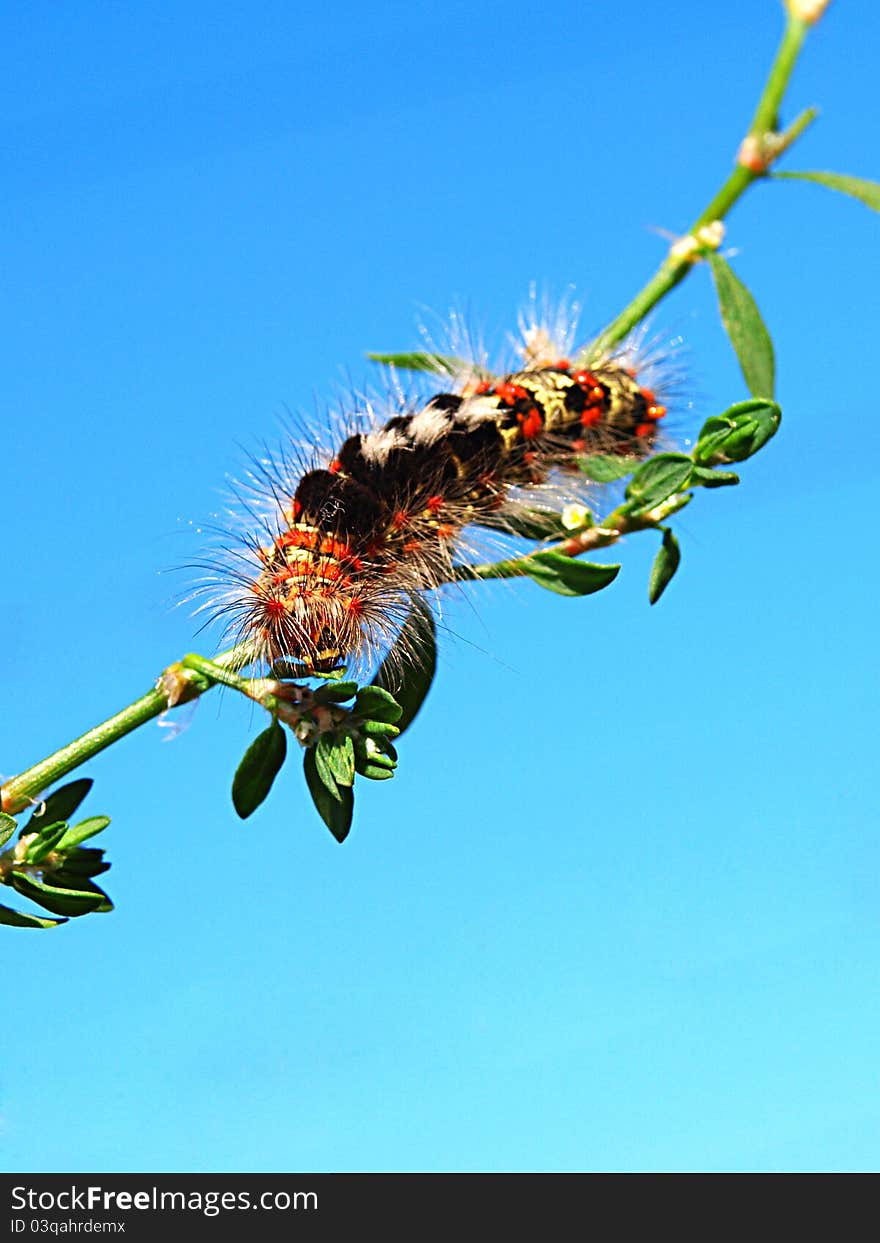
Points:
(352, 541)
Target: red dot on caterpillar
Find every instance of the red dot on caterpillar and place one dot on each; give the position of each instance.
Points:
(532, 424)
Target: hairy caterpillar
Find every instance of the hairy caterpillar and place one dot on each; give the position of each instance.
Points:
(354, 540)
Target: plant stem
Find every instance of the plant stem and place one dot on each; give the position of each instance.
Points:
(192, 679)
(675, 267)
(22, 790)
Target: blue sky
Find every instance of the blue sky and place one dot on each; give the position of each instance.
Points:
(619, 908)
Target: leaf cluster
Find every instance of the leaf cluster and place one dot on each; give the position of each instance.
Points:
(358, 743)
(48, 863)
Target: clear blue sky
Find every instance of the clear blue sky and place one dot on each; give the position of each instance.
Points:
(619, 909)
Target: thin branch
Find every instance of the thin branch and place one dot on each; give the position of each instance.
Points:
(759, 139)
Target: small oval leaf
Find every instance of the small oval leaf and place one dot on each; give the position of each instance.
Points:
(81, 832)
(566, 575)
(73, 881)
(259, 767)
(17, 919)
(665, 564)
(659, 478)
(738, 433)
(707, 477)
(335, 692)
(605, 468)
(374, 773)
(339, 755)
(323, 768)
(377, 704)
(378, 729)
(58, 901)
(85, 862)
(45, 842)
(336, 812)
(60, 805)
(746, 329)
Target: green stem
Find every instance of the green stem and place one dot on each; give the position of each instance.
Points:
(18, 792)
(215, 672)
(767, 112)
(194, 676)
(675, 268)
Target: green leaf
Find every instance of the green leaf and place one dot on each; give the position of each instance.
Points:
(336, 811)
(335, 692)
(605, 468)
(8, 825)
(376, 704)
(80, 832)
(675, 503)
(566, 575)
(331, 675)
(323, 770)
(379, 760)
(422, 360)
(658, 479)
(378, 729)
(665, 564)
(745, 327)
(337, 754)
(73, 882)
(375, 758)
(334, 760)
(867, 192)
(738, 433)
(259, 767)
(703, 477)
(409, 679)
(84, 863)
(58, 901)
(16, 919)
(376, 751)
(60, 805)
(45, 842)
